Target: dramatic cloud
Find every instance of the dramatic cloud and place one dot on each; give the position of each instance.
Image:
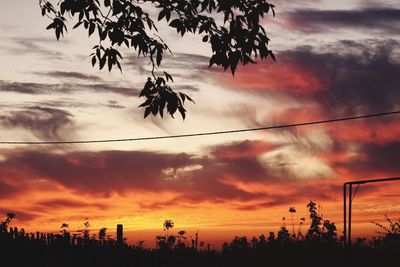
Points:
(107, 172)
(314, 20)
(372, 160)
(103, 173)
(351, 77)
(43, 122)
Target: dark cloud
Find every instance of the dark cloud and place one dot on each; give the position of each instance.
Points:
(179, 65)
(107, 88)
(355, 77)
(364, 82)
(114, 105)
(72, 75)
(374, 160)
(314, 20)
(7, 190)
(44, 122)
(100, 172)
(65, 203)
(65, 88)
(107, 172)
(37, 46)
(26, 88)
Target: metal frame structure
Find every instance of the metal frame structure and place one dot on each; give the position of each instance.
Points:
(347, 211)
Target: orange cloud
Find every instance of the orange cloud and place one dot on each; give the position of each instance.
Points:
(372, 131)
(280, 76)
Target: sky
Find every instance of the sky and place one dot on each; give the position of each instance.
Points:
(334, 59)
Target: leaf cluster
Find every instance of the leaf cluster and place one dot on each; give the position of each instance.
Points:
(239, 39)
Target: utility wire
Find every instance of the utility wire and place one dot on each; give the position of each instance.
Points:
(200, 134)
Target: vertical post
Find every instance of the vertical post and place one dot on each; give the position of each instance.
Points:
(120, 234)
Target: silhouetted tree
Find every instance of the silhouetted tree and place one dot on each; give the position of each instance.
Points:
(239, 39)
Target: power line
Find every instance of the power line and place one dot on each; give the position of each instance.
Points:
(200, 134)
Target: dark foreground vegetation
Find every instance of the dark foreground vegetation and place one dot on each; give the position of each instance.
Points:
(318, 246)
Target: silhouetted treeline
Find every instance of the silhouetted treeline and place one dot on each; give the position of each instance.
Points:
(318, 246)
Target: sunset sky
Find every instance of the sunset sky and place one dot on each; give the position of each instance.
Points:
(334, 59)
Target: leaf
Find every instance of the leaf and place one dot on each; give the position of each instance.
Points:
(58, 32)
(271, 54)
(94, 61)
(102, 61)
(168, 77)
(183, 97)
(50, 26)
(146, 103)
(191, 100)
(110, 64)
(154, 109)
(119, 66)
(159, 57)
(168, 15)
(147, 112)
(182, 110)
(78, 24)
(175, 23)
(161, 107)
(92, 27)
(161, 15)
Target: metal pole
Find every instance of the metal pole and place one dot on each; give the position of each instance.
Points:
(349, 224)
(350, 203)
(344, 224)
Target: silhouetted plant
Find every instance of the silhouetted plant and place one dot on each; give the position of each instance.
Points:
(389, 236)
(168, 224)
(292, 211)
(283, 234)
(329, 232)
(299, 233)
(64, 229)
(4, 224)
(314, 232)
(102, 234)
(181, 239)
